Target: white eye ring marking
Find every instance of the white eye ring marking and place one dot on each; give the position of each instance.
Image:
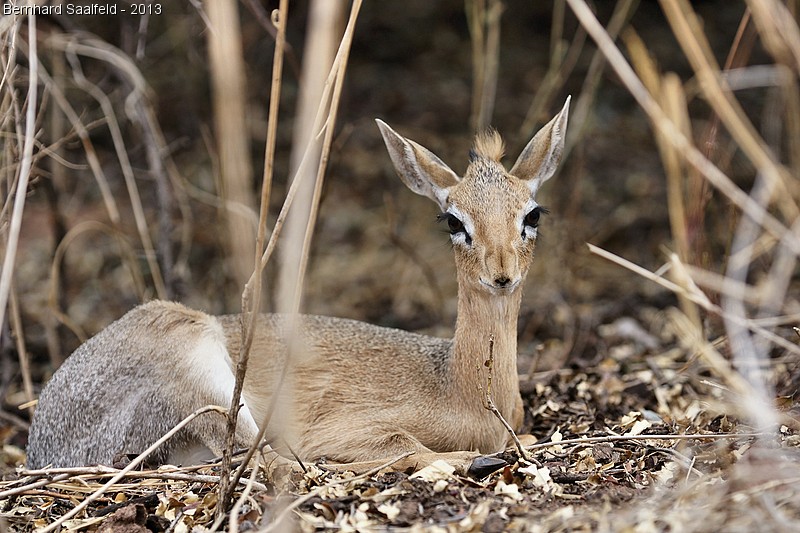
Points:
(527, 232)
(462, 237)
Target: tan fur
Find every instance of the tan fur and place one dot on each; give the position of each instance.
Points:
(354, 392)
(490, 145)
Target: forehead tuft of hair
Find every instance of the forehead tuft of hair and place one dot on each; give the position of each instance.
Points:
(489, 145)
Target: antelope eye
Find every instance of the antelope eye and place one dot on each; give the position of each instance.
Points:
(456, 227)
(454, 224)
(532, 218)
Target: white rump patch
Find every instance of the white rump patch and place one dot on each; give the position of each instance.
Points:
(214, 374)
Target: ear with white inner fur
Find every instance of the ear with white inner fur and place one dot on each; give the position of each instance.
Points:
(419, 168)
(539, 160)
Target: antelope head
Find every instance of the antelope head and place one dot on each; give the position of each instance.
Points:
(491, 212)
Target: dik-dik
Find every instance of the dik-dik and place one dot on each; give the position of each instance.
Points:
(356, 393)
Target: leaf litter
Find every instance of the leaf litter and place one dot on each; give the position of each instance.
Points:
(633, 441)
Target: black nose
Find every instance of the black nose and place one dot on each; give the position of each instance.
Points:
(501, 281)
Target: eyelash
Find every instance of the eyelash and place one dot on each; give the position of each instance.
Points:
(531, 219)
(455, 226)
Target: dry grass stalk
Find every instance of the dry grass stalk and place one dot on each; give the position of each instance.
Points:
(335, 83)
(24, 174)
(306, 158)
(623, 10)
(699, 194)
(251, 295)
(668, 90)
(324, 123)
(779, 30)
(55, 476)
(233, 141)
(82, 131)
(690, 36)
(24, 361)
(695, 296)
(483, 17)
(719, 284)
(127, 170)
(236, 510)
(138, 107)
(586, 441)
(563, 59)
(323, 31)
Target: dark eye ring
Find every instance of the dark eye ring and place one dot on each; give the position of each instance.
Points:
(454, 224)
(532, 218)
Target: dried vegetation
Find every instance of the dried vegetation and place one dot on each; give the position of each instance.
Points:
(659, 366)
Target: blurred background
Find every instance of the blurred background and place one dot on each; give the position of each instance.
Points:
(437, 72)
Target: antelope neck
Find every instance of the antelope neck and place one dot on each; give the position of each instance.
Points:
(485, 319)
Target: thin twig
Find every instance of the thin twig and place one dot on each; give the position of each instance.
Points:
(35, 485)
(488, 402)
(86, 473)
(251, 296)
(695, 296)
(118, 140)
(624, 438)
(233, 521)
(22, 351)
(326, 118)
(82, 132)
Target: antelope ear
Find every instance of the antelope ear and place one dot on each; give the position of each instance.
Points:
(539, 160)
(419, 168)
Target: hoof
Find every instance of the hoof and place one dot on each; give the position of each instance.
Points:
(484, 465)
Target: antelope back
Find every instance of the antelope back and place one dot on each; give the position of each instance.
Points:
(491, 212)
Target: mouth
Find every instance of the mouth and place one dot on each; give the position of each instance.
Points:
(500, 290)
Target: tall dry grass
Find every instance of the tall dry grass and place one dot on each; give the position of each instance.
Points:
(774, 186)
(248, 255)
(752, 286)
(227, 70)
(316, 126)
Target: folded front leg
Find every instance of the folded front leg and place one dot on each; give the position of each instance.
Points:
(401, 452)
